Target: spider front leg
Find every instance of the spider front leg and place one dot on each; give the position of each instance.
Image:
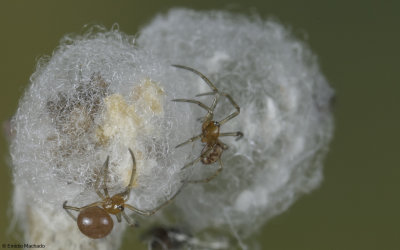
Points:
(128, 188)
(234, 104)
(67, 208)
(210, 110)
(205, 79)
(104, 173)
(195, 102)
(96, 184)
(94, 204)
(105, 177)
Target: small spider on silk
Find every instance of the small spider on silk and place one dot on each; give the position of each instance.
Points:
(210, 131)
(94, 220)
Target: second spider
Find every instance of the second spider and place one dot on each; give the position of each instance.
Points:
(210, 131)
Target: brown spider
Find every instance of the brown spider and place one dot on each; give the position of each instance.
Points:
(94, 220)
(213, 148)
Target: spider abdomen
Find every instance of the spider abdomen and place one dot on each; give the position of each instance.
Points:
(95, 222)
(213, 155)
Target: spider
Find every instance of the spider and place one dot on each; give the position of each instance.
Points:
(210, 133)
(94, 220)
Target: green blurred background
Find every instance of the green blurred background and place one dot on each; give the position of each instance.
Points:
(357, 42)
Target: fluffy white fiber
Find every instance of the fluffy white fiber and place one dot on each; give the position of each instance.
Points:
(285, 113)
(95, 97)
(82, 106)
(102, 93)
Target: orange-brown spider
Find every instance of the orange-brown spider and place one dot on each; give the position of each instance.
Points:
(94, 220)
(210, 130)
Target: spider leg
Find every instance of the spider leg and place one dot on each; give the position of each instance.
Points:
(118, 217)
(234, 104)
(198, 158)
(99, 193)
(207, 93)
(105, 175)
(96, 184)
(67, 208)
(127, 191)
(238, 134)
(191, 163)
(200, 119)
(215, 91)
(212, 176)
(94, 204)
(153, 211)
(210, 84)
(210, 115)
(69, 212)
(190, 140)
(129, 220)
(195, 102)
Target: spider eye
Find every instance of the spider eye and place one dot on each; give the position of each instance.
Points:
(121, 208)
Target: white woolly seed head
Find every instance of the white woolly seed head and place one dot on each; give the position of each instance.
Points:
(285, 113)
(99, 95)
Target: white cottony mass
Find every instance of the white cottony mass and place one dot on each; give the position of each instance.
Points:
(104, 92)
